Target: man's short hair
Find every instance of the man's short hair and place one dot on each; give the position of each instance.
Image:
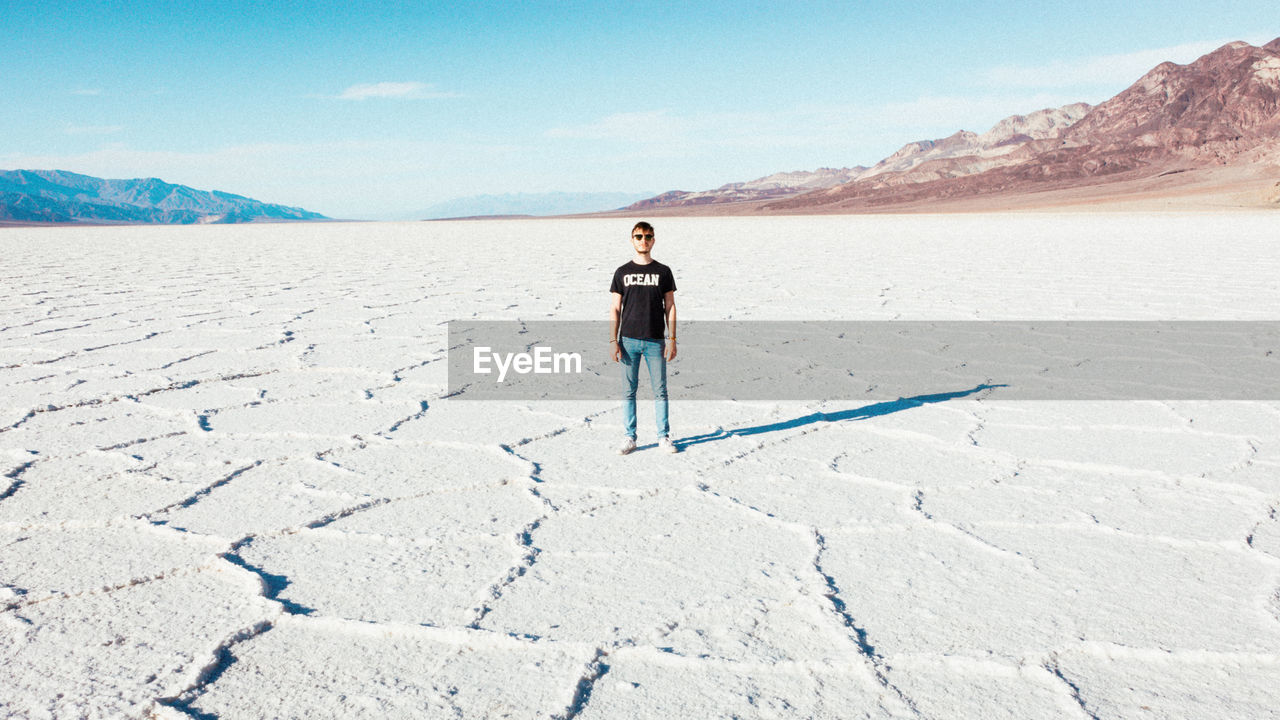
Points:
(642, 226)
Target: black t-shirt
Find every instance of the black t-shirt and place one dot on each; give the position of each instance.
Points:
(644, 290)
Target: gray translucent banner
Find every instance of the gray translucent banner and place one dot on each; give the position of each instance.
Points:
(838, 360)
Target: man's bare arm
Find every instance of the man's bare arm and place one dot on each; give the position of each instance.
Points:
(671, 324)
(615, 315)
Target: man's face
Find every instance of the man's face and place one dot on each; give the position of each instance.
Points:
(642, 240)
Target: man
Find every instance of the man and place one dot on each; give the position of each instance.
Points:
(644, 296)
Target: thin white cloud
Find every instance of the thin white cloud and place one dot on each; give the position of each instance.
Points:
(398, 90)
(1111, 70)
(93, 129)
(86, 91)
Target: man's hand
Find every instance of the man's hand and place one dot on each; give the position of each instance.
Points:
(617, 351)
(671, 349)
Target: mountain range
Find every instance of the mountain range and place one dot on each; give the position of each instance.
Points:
(1178, 129)
(1208, 129)
(777, 185)
(57, 196)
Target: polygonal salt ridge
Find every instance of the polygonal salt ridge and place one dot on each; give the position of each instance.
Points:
(276, 496)
(570, 499)
(1264, 536)
(222, 364)
(943, 424)
(775, 626)
(486, 510)
(201, 395)
(895, 460)
(946, 686)
(80, 464)
(111, 654)
(618, 598)
(568, 412)
(377, 578)
(311, 667)
(429, 378)
(815, 500)
(640, 681)
(72, 430)
(16, 358)
(294, 384)
(934, 594)
(81, 387)
(663, 526)
(200, 336)
(200, 453)
(404, 318)
(1245, 418)
(401, 469)
(1117, 587)
(598, 575)
(14, 416)
(95, 486)
(323, 313)
(309, 474)
(368, 353)
(73, 558)
(1109, 413)
(74, 328)
(1250, 477)
(315, 416)
(14, 463)
(1115, 681)
(572, 458)
(1172, 450)
(1047, 494)
(460, 421)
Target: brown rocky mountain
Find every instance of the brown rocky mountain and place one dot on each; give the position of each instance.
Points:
(1222, 109)
(777, 185)
(1177, 125)
(917, 161)
(1224, 102)
(962, 153)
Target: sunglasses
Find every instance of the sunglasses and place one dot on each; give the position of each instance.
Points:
(638, 236)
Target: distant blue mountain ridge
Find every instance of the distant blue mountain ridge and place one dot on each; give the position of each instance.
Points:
(58, 196)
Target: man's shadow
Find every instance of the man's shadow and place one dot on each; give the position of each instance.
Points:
(860, 413)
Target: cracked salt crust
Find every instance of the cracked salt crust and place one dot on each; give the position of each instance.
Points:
(322, 667)
(110, 654)
(233, 487)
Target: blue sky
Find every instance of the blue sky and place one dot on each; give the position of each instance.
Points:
(377, 110)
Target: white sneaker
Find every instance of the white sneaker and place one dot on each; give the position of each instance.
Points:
(666, 445)
(627, 446)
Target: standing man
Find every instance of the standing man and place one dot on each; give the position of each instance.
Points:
(644, 295)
